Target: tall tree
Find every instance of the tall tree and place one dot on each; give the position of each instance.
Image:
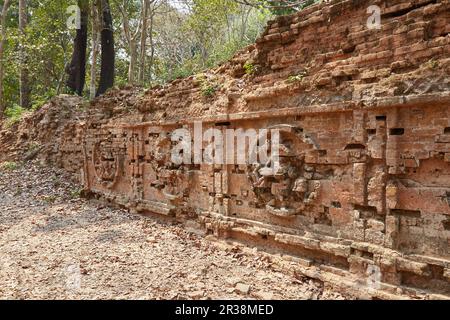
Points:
(143, 45)
(153, 12)
(207, 20)
(4, 13)
(25, 89)
(95, 46)
(77, 67)
(131, 37)
(107, 69)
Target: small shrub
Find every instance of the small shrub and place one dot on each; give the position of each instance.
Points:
(249, 68)
(33, 146)
(14, 114)
(200, 79)
(433, 63)
(9, 166)
(208, 91)
(42, 99)
(298, 77)
(50, 199)
(76, 193)
(207, 86)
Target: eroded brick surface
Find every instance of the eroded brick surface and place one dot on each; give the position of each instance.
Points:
(364, 190)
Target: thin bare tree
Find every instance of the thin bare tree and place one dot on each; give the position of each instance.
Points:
(95, 18)
(131, 39)
(25, 89)
(143, 41)
(151, 9)
(3, 35)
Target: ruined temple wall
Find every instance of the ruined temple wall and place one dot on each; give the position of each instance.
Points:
(353, 196)
(354, 173)
(364, 116)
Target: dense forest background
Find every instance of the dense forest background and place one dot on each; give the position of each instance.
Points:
(155, 41)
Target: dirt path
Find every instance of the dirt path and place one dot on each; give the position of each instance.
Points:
(54, 245)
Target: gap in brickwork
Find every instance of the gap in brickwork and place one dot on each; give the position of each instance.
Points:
(397, 131)
(336, 204)
(405, 11)
(324, 218)
(350, 49)
(355, 146)
(223, 124)
(446, 224)
(433, 280)
(406, 213)
(366, 211)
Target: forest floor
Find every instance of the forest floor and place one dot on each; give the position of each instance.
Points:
(56, 245)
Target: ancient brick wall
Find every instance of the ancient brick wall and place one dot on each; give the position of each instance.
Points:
(362, 198)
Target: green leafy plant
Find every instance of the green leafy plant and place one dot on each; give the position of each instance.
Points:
(33, 146)
(209, 91)
(50, 199)
(76, 193)
(207, 86)
(14, 114)
(9, 166)
(298, 77)
(249, 68)
(200, 78)
(433, 63)
(41, 99)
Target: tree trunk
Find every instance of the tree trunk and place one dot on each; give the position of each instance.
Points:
(152, 47)
(143, 53)
(24, 81)
(244, 22)
(132, 65)
(5, 8)
(131, 41)
(108, 54)
(61, 78)
(95, 48)
(77, 67)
